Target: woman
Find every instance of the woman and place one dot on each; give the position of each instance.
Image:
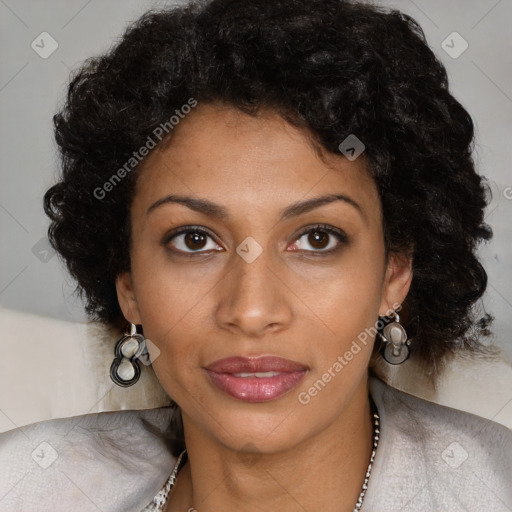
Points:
(278, 197)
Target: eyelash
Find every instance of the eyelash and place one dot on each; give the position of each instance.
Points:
(338, 233)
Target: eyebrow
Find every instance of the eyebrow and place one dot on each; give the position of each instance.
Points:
(212, 209)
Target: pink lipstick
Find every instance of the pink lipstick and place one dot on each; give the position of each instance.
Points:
(256, 379)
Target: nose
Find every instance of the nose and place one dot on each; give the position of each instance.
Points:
(254, 299)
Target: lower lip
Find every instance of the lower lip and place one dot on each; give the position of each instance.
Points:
(253, 389)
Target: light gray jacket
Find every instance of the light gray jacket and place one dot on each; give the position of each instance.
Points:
(429, 458)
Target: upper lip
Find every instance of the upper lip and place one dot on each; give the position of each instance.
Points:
(240, 364)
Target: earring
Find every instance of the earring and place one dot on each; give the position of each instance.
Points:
(125, 369)
(396, 349)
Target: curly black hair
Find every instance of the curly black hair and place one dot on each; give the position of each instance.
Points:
(332, 67)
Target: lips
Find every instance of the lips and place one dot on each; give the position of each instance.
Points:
(255, 379)
(255, 365)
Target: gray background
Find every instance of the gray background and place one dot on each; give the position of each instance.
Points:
(31, 87)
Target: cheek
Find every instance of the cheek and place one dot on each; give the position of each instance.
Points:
(347, 295)
(172, 311)
(345, 310)
(168, 323)
(167, 292)
(342, 336)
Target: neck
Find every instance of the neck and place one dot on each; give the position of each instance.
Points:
(324, 472)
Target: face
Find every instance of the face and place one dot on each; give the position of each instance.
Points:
(244, 261)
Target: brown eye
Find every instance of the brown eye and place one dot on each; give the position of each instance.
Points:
(321, 239)
(190, 241)
(194, 240)
(318, 239)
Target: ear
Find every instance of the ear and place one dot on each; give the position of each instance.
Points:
(397, 281)
(127, 299)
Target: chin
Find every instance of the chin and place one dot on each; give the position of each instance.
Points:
(262, 433)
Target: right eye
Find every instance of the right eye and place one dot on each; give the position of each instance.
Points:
(190, 240)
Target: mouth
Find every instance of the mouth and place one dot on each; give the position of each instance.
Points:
(256, 379)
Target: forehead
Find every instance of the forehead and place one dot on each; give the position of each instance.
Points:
(221, 153)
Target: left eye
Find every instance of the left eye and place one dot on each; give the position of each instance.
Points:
(321, 239)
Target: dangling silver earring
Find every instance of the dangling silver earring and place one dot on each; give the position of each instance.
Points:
(396, 349)
(125, 369)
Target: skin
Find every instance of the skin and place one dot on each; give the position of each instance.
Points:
(292, 301)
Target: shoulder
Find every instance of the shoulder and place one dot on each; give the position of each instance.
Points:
(107, 459)
(426, 422)
(435, 457)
